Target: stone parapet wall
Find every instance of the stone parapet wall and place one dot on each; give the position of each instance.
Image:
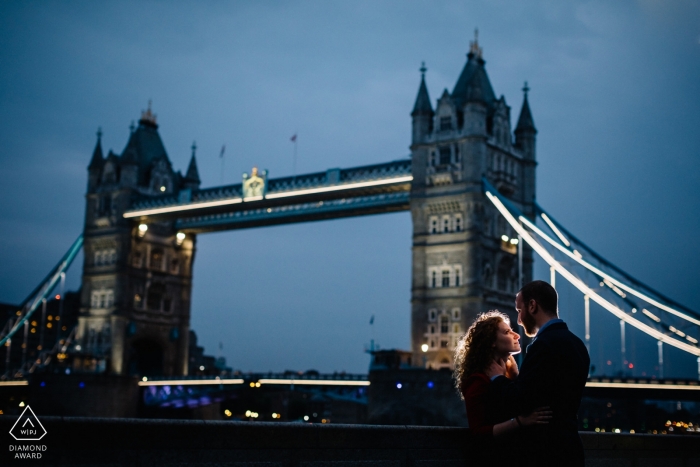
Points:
(132, 442)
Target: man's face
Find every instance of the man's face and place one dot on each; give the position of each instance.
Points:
(525, 319)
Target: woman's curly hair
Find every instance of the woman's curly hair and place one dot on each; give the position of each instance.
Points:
(474, 351)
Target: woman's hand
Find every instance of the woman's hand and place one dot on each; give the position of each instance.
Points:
(511, 368)
(539, 416)
(497, 368)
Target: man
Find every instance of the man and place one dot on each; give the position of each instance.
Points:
(553, 374)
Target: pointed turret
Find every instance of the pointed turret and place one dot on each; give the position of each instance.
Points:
(422, 110)
(525, 121)
(96, 164)
(422, 105)
(97, 159)
(192, 176)
(473, 84)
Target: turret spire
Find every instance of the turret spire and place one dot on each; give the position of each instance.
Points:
(97, 158)
(525, 121)
(422, 105)
(192, 177)
(474, 45)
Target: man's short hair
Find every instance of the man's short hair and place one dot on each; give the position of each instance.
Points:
(542, 293)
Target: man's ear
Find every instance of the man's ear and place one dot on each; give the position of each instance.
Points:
(532, 306)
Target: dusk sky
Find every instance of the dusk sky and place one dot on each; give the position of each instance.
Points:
(615, 95)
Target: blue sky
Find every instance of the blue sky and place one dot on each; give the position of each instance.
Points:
(615, 92)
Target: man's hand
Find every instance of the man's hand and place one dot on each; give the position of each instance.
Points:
(497, 368)
(511, 370)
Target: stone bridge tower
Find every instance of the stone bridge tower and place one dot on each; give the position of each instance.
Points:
(465, 256)
(137, 278)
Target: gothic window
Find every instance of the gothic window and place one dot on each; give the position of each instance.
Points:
(445, 123)
(166, 304)
(432, 315)
(432, 344)
(105, 206)
(445, 155)
(458, 273)
(138, 301)
(455, 314)
(456, 153)
(155, 296)
(444, 343)
(455, 328)
(112, 256)
(445, 278)
(102, 299)
(174, 266)
(137, 259)
(446, 224)
(157, 259)
(434, 279)
(458, 223)
(98, 258)
(432, 329)
(444, 324)
(433, 224)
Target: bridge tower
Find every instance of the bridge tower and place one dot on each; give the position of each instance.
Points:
(137, 278)
(466, 259)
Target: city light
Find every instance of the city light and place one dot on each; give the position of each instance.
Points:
(320, 382)
(504, 238)
(424, 347)
(513, 241)
(651, 315)
(306, 418)
(162, 188)
(227, 412)
(189, 382)
(399, 385)
(180, 237)
(143, 228)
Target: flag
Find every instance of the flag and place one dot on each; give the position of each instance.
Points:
(293, 139)
(371, 320)
(223, 148)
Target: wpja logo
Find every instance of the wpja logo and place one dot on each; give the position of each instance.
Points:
(28, 428)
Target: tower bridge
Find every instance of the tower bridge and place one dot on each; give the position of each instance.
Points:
(469, 184)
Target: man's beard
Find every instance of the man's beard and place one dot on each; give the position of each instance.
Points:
(529, 324)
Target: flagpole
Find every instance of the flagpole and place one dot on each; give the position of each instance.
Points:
(221, 156)
(294, 169)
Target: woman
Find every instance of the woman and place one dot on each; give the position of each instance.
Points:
(490, 339)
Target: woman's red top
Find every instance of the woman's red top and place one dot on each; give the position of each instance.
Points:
(475, 393)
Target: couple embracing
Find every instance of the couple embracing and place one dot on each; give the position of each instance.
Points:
(523, 416)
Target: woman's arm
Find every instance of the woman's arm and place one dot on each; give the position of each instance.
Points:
(540, 416)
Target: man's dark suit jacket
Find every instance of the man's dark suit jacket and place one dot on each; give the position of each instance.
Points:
(553, 374)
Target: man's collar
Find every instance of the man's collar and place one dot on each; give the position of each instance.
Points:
(547, 324)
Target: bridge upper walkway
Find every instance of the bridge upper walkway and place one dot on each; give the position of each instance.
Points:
(322, 195)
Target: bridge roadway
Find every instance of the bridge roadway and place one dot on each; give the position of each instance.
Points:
(333, 194)
(128, 442)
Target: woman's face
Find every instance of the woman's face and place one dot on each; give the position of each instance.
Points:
(507, 341)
